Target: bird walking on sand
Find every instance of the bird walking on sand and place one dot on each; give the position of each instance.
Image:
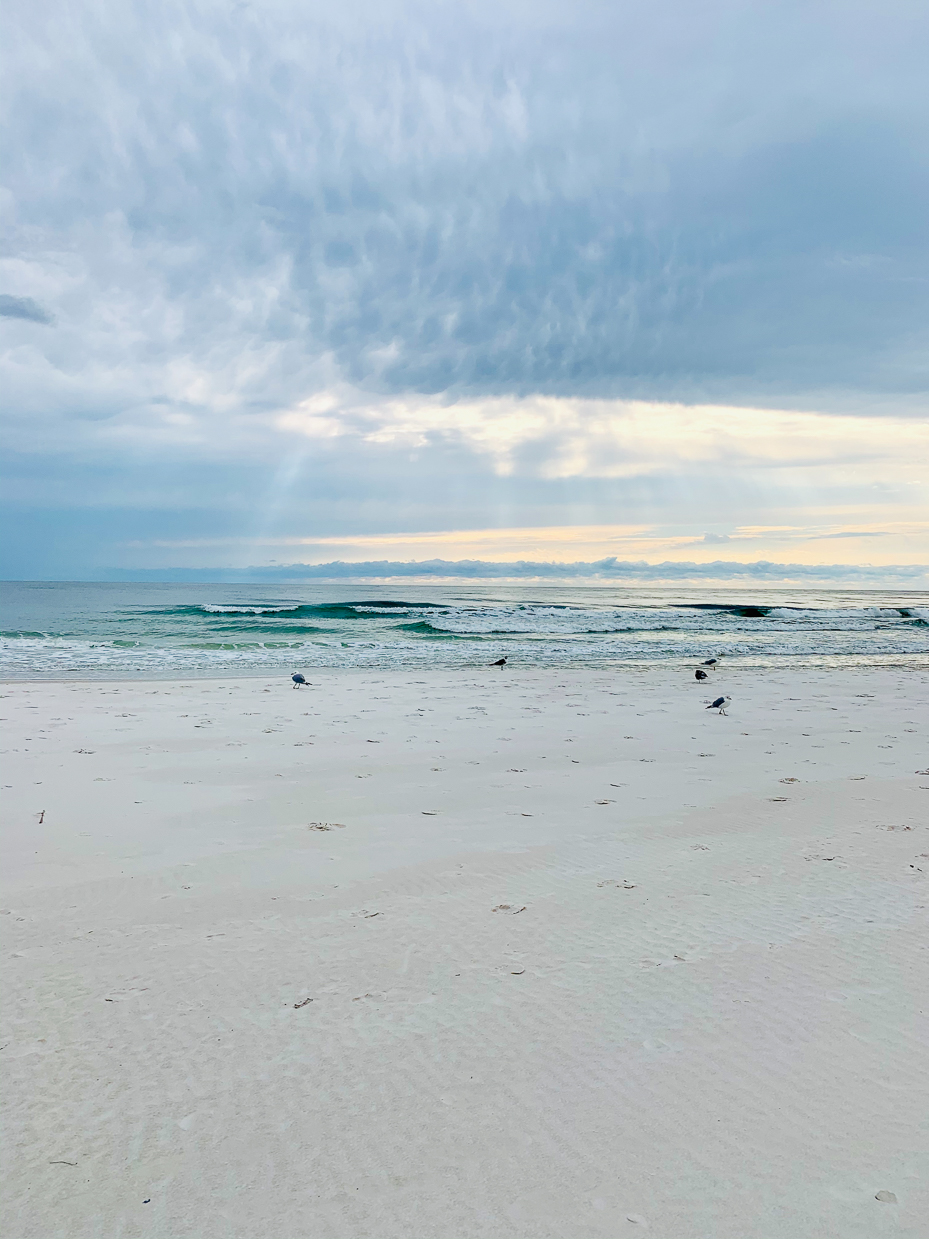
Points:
(501, 662)
(720, 704)
(298, 679)
(700, 675)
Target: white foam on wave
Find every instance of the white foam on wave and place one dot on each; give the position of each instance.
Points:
(212, 608)
(224, 636)
(64, 658)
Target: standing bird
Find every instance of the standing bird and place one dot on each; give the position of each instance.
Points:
(298, 679)
(710, 662)
(700, 675)
(501, 662)
(720, 704)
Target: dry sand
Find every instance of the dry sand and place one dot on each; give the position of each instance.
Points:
(577, 957)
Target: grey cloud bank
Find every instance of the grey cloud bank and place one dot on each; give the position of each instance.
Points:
(716, 201)
(214, 212)
(609, 569)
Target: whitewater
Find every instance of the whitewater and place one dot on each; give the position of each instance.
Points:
(61, 630)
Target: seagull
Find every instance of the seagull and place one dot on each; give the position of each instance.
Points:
(298, 679)
(501, 662)
(700, 675)
(711, 662)
(720, 704)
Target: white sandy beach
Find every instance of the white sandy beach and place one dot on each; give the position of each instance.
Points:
(577, 958)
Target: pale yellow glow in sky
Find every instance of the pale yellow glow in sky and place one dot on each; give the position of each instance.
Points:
(613, 438)
(768, 484)
(903, 543)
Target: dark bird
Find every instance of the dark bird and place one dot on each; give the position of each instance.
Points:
(298, 679)
(710, 662)
(720, 704)
(700, 675)
(501, 662)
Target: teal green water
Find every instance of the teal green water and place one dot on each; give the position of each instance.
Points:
(57, 630)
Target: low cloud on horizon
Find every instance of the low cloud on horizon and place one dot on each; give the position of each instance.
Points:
(912, 576)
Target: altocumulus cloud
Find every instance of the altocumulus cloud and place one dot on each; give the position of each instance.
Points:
(243, 209)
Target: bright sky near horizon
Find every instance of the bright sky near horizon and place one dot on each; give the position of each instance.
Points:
(503, 281)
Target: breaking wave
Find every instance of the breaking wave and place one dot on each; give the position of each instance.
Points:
(159, 630)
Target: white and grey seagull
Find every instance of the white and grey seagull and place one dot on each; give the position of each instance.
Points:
(298, 679)
(720, 704)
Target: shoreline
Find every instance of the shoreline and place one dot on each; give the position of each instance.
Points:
(824, 663)
(552, 952)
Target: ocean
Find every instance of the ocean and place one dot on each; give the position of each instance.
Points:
(62, 630)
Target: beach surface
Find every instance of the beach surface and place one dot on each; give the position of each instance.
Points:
(519, 953)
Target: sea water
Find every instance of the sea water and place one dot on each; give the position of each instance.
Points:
(60, 630)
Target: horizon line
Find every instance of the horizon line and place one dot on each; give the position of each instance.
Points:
(609, 570)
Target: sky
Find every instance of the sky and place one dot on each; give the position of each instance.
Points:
(288, 283)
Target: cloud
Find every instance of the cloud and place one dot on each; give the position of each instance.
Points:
(397, 265)
(712, 205)
(608, 569)
(646, 546)
(563, 438)
(23, 307)
(856, 533)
